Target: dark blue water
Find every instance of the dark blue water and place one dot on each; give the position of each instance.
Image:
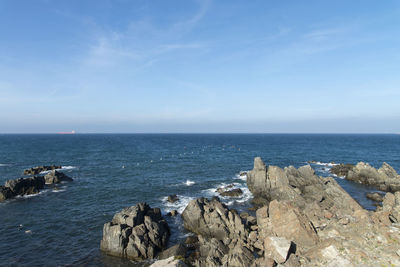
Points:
(115, 171)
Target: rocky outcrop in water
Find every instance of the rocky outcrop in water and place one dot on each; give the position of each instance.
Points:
(322, 223)
(229, 191)
(37, 170)
(21, 186)
(55, 177)
(385, 178)
(302, 220)
(138, 232)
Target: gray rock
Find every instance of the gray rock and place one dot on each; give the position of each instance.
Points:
(169, 262)
(236, 192)
(212, 219)
(138, 232)
(172, 213)
(172, 198)
(5, 193)
(37, 170)
(177, 250)
(25, 186)
(341, 169)
(55, 177)
(375, 196)
(277, 248)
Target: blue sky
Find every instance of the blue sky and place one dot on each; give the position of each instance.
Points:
(200, 66)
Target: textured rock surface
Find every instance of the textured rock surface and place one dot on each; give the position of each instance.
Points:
(25, 186)
(55, 177)
(5, 193)
(138, 232)
(169, 262)
(385, 178)
(37, 170)
(277, 248)
(235, 192)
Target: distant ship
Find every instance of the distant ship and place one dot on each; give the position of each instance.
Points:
(71, 132)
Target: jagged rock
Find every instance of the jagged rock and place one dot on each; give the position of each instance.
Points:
(172, 198)
(25, 186)
(236, 192)
(375, 197)
(169, 262)
(176, 250)
(390, 208)
(287, 221)
(384, 178)
(277, 248)
(270, 183)
(138, 232)
(211, 218)
(55, 177)
(5, 193)
(37, 170)
(211, 251)
(341, 169)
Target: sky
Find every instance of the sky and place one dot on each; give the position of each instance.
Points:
(199, 66)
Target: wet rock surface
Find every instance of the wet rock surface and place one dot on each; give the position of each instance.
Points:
(55, 177)
(39, 169)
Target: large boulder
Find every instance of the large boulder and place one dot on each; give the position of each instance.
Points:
(289, 222)
(138, 232)
(211, 218)
(55, 177)
(25, 186)
(37, 170)
(226, 192)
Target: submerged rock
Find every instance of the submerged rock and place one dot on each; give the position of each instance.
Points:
(138, 232)
(55, 177)
(37, 170)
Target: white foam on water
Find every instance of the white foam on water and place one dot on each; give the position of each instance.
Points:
(33, 195)
(189, 182)
(57, 190)
(63, 168)
(242, 175)
(178, 205)
(337, 176)
(246, 195)
(330, 164)
(4, 165)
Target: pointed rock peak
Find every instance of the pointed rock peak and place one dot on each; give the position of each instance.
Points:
(259, 164)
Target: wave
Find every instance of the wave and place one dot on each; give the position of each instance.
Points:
(242, 175)
(246, 195)
(4, 165)
(63, 168)
(178, 205)
(329, 164)
(189, 182)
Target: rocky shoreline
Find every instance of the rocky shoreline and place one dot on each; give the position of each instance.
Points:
(300, 219)
(385, 178)
(32, 185)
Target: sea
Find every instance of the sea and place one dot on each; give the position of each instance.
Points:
(62, 225)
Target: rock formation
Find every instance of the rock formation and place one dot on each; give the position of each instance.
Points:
(229, 192)
(55, 177)
(21, 186)
(37, 170)
(138, 232)
(385, 178)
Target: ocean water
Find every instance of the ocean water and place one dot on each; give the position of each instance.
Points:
(63, 225)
